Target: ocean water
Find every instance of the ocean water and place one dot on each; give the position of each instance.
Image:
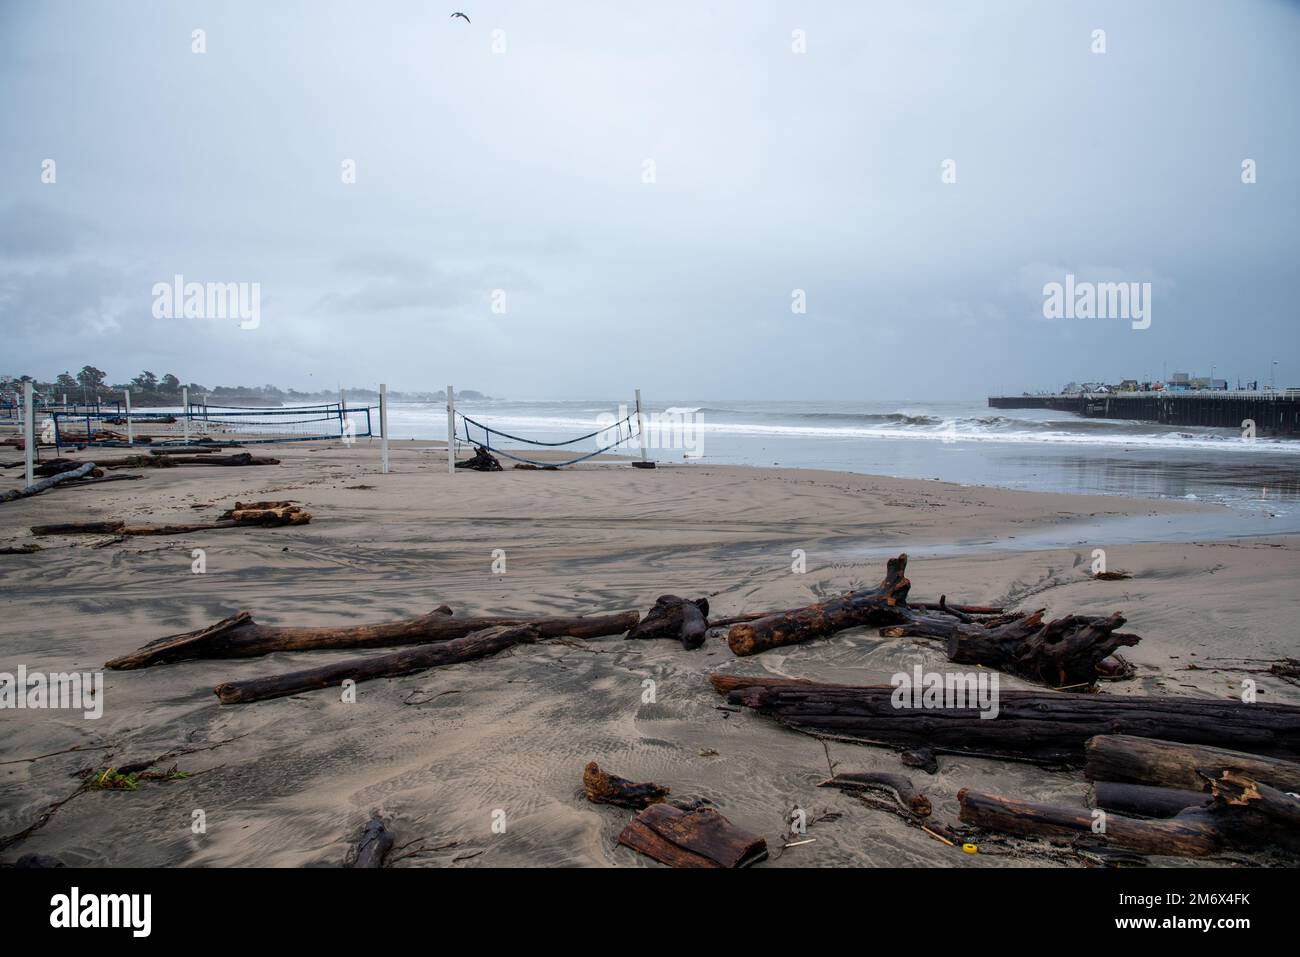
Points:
(963, 442)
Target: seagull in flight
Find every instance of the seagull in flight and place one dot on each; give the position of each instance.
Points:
(461, 15)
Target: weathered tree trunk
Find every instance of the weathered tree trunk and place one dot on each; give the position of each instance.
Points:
(480, 644)
(1234, 789)
(36, 488)
(601, 787)
(676, 618)
(1032, 725)
(240, 637)
(877, 606)
(376, 841)
(1176, 764)
(899, 785)
(1145, 800)
(1191, 833)
(696, 838)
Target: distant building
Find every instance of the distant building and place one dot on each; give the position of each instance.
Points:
(1129, 385)
(1071, 389)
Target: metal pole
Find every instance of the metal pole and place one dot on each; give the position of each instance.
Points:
(130, 429)
(451, 431)
(185, 403)
(640, 424)
(343, 404)
(29, 431)
(383, 424)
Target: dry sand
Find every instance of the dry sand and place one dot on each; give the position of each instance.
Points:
(437, 753)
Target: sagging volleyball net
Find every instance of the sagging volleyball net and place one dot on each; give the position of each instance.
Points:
(616, 436)
(198, 424)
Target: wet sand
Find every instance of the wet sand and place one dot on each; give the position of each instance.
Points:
(289, 782)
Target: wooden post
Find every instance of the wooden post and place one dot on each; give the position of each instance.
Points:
(185, 403)
(130, 429)
(383, 425)
(29, 431)
(640, 424)
(451, 431)
(343, 405)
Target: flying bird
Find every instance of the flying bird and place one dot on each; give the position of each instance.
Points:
(461, 15)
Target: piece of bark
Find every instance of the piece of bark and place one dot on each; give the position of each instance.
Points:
(481, 461)
(376, 841)
(873, 606)
(1038, 726)
(1145, 800)
(1191, 833)
(480, 644)
(264, 519)
(601, 787)
(900, 785)
(697, 838)
(1176, 764)
(239, 636)
(45, 484)
(266, 514)
(677, 618)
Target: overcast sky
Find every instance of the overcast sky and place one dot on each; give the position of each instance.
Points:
(523, 171)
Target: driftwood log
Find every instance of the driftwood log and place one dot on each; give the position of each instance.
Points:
(45, 484)
(677, 618)
(601, 787)
(239, 636)
(1038, 726)
(899, 785)
(376, 841)
(481, 644)
(1145, 800)
(1175, 764)
(261, 514)
(481, 461)
(1233, 789)
(696, 838)
(1071, 652)
(875, 606)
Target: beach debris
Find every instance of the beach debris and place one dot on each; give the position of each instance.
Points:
(244, 514)
(601, 787)
(375, 843)
(128, 778)
(26, 549)
(1040, 726)
(481, 461)
(34, 861)
(239, 636)
(1145, 800)
(898, 785)
(1111, 576)
(677, 618)
(701, 837)
(1073, 652)
(45, 484)
(1172, 764)
(921, 758)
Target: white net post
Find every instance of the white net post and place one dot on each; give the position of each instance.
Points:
(29, 432)
(343, 413)
(383, 425)
(185, 411)
(640, 424)
(130, 429)
(451, 431)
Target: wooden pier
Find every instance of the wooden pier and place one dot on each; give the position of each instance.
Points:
(1274, 413)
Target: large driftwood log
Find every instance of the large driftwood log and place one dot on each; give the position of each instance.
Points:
(1233, 789)
(874, 606)
(601, 787)
(1031, 725)
(240, 637)
(676, 618)
(1176, 764)
(1145, 800)
(696, 838)
(36, 488)
(261, 514)
(481, 644)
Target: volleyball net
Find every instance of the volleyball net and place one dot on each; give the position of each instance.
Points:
(607, 438)
(209, 425)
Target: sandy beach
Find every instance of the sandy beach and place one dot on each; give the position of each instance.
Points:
(289, 782)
